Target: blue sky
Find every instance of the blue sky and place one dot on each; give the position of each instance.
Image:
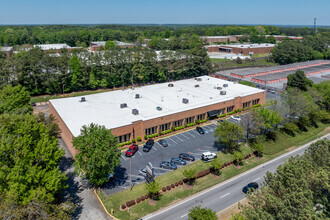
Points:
(288, 12)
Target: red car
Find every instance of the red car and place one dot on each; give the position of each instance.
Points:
(131, 150)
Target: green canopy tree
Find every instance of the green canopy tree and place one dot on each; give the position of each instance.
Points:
(109, 44)
(153, 189)
(190, 174)
(229, 134)
(75, 68)
(14, 99)
(216, 165)
(199, 213)
(98, 155)
(299, 80)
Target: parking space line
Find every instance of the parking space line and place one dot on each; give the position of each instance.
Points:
(123, 157)
(123, 187)
(139, 153)
(172, 140)
(190, 134)
(161, 168)
(224, 195)
(179, 138)
(185, 136)
(137, 176)
(155, 148)
(256, 179)
(208, 147)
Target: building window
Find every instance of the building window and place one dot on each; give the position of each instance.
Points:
(164, 127)
(124, 138)
(221, 111)
(255, 102)
(178, 123)
(230, 109)
(190, 120)
(150, 131)
(200, 117)
(246, 104)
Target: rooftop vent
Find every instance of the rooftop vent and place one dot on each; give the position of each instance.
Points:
(82, 99)
(137, 96)
(170, 85)
(196, 86)
(185, 101)
(222, 92)
(225, 85)
(199, 79)
(135, 111)
(159, 108)
(219, 88)
(123, 105)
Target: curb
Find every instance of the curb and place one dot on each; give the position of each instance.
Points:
(100, 201)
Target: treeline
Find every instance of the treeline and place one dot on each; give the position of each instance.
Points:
(45, 73)
(30, 178)
(310, 48)
(82, 35)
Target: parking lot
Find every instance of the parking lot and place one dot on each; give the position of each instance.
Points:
(186, 142)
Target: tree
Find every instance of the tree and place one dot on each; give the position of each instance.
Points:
(199, 213)
(237, 216)
(271, 118)
(98, 155)
(258, 146)
(153, 189)
(49, 122)
(190, 174)
(252, 124)
(75, 68)
(109, 44)
(229, 134)
(216, 165)
(14, 99)
(238, 156)
(299, 80)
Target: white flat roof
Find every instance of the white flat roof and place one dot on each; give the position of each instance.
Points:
(104, 108)
(6, 49)
(248, 45)
(51, 46)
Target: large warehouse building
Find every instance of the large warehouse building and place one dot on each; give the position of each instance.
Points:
(244, 49)
(151, 109)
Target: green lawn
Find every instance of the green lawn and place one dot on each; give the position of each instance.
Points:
(233, 64)
(217, 60)
(272, 150)
(260, 55)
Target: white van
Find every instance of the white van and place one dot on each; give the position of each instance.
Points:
(208, 156)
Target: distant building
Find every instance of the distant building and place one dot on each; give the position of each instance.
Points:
(97, 45)
(218, 39)
(55, 47)
(8, 50)
(244, 49)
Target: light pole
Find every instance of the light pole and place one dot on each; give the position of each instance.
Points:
(63, 87)
(130, 174)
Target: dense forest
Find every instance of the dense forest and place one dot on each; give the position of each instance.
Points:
(82, 35)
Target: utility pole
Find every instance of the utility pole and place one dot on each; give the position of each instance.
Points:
(315, 29)
(130, 173)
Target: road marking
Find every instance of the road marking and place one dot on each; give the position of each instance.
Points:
(231, 206)
(162, 168)
(208, 147)
(155, 148)
(173, 140)
(123, 157)
(139, 153)
(137, 176)
(230, 180)
(182, 216)
(224, 195)
(123, 187)
(185, 136)
(190, 134)
(256, 179)
(196, 153)
(179, 138)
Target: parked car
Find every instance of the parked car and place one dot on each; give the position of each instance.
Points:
(143, 171)
(250, 187)
(268, 90)
(273, 91)
(131, 150)
(220, 120)
(33, 104)
(168, 165)
(163, 143)
(147, 147)
(236, 118)
(200, 130)
(208, 156)
(186, 157)
(178, 161)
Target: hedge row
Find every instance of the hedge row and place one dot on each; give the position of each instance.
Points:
(190, 124)
(178, 128)
(222, 115)
(255, 106)
(125, 143)
(166, 132)
(230, 113)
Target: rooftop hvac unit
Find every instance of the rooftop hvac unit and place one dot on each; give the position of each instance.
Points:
(199, 79)
(223, 92)
(159, 108)
(135, 111)
(137, 96)
(196, 86)
(123, 105)
(82, 99)
(219, 88)
(185, 101)
(170, 85)
(225, 85)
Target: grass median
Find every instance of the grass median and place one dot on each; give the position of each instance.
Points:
(283, 144)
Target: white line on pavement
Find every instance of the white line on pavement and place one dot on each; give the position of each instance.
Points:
(123, 157)
(137, 176)
(256, 179)
(182, 216)
(155, 148)
(224, 195)
(139, 153)
(172, 140)
(190, 134)
(179, 138)
(185, 136)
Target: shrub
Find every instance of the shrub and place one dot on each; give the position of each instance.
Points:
(239, 156)
(256, 106)
(179, 128)
(290, 128)
(222, 115)
(130, 203)
(142, 198)
(156, 135)
(123, 206)
(133, 141)
(153, 189)
(163, 189)
(145, 137)
(197, 121)
(138, 139)
(202, 121)
(176, 184)
(172, 186)
(190, 124)
(238, 110)
(203, 173)
(146, 196)
(128, 142)
(181, 182)
(121, 144)
(138, 200)
(230, 113)
(168, 187)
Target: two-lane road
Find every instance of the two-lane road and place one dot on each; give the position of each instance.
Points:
(225, 194)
